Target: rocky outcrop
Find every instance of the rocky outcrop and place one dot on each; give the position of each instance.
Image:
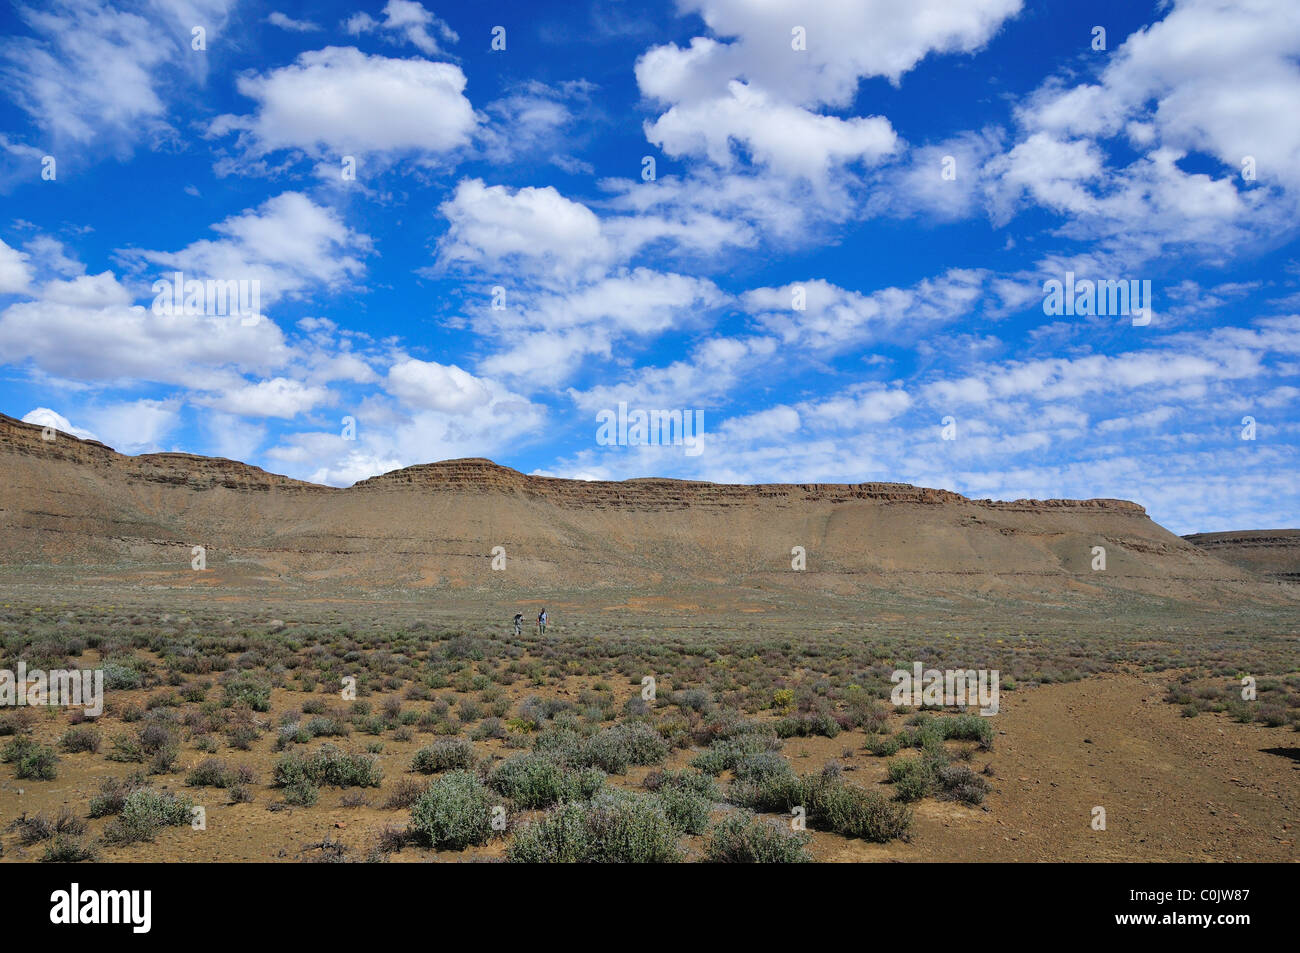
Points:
(174, 469)
(1273, 553)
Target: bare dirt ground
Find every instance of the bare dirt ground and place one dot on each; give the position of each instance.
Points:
(1174, 788)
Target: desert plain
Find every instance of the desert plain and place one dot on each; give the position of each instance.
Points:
(302, 673)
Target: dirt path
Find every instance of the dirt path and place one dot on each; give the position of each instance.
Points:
(1174, 788)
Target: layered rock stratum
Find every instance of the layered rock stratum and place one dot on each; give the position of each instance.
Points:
(78, 508)
(1272, 553)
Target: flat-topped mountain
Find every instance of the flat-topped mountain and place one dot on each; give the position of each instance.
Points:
(69, 506)
(478, 474)
(1274, 553)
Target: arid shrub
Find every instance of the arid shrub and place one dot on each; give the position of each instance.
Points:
(323, 727)
(725, 753)
(957, 782)
(694, 781)
(31, 761)
(745, 839)
(445, 754)
(854, 812)
(144, 812)
(14, 750)
(806, 725)
(455, 812)
(540, 779)
(766, 785)
(327, 765)
(210, 773)
(968, 728)
(404, 793)
(80, 738)
(247, 690)
(615, 748)
(613, 827)
(16, 722)
(686, 810)
(67, 850)
(112, 794)
(300, 793)
(126, 748)
(39, 827)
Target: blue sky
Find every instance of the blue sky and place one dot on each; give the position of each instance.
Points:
(853, 211)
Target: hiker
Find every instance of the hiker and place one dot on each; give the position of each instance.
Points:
(541, 622)
(519, 623)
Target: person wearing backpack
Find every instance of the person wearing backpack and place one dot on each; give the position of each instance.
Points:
(541, 622)
(519, 623)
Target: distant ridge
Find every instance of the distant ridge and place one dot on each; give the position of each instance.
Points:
(1273, 553)
(79, 508)
(481, 474)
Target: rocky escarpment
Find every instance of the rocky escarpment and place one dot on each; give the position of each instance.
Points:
(18, 439)
(80, 507)
(1273, 553)
(480, 475)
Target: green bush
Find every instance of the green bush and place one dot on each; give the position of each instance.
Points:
(36, 762)
(301, 793)
(694, 781)
(687, 810)
(453, 813)
(80, 738)
(328, 765)
(67, 850)
(745, 839)
(15, 750)
(144, 812)
(613, 827)
(885, 747)
(969, 728)
(725, 753)
(252, 692)
(803, 726)
(853, 812)
(828, 803)
(765, 782)
(443, 755)
(121, 677)
(910, 786)
(112, 795)
(539, 779)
